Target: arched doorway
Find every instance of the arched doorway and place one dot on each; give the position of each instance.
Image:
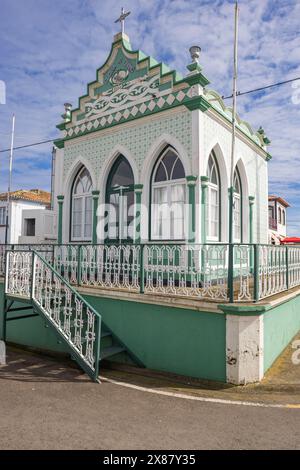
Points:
(120, 201)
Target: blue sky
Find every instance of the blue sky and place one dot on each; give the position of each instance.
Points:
(51, 49)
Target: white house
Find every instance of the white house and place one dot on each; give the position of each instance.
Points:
(28, 217)
(277, 219)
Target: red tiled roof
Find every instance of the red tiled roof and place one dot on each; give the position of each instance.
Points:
(34, 195)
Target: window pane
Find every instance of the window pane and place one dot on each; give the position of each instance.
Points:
(77, 218)
(123, 175)
(161, 174)
(88, 217)
(213, 213)
(169, 160)
(160, 214)
(178, 171)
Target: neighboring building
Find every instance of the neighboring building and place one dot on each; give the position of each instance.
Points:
(29, 217)
(160, 139)
(277, 219)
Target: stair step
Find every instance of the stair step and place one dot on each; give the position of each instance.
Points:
(112, 351)
(104, 334)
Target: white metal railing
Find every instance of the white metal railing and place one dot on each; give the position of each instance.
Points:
(69, 313)
(110, 266)
(198, 271)
(29, 276)
(18, 277)
(216, 272)
(272, 270)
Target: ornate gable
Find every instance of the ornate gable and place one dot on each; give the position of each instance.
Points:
(130, 85)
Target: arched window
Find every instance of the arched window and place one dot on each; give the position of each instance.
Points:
(120, 198)
(81, 225)
(168, 197)
(283, 217)
(279, 216)
(213, 199)
(237, 207)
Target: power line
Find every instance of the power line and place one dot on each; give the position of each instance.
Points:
(239, 93)
(28, 145)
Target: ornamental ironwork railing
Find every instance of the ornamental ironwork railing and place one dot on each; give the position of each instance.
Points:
(29, 275)
(215, 272)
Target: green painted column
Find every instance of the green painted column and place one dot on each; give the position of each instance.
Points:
(204, 186)
(95, 195)
(191, 182)
(60, 200)
(251, 204)
(138, 190)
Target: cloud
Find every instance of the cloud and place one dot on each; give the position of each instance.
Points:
(51, 49)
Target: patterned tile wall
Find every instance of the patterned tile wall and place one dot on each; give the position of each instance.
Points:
(137, 139)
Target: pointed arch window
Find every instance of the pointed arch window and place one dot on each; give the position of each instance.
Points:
(120, 200)
(168, 197)
(237, 207)
(81, 224)
(213, 200)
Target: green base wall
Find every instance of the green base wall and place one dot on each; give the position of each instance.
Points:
(171, 339)
(281, 324)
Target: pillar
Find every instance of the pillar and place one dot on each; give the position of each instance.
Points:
(204, 186)
(251, 204)
(191, 182)
(95, 195)
(60, 200)
(138, 189)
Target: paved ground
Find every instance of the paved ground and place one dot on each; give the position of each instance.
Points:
(46, 404)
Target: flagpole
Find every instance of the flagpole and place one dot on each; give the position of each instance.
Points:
(10, 176)
(235, 75)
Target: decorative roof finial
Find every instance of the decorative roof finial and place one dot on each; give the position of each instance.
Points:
(67, 115)
(122, 19)
(195, 53)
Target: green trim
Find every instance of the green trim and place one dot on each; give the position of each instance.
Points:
(204, 187)
(269, 157)
(197, 79)
(251, 204)
(60, 200)
(199, 102)
(95, 195)
(191, 183)
(59, 143)
(61, 126)
(244, 310)
(138, 188)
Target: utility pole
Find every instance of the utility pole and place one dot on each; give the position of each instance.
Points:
(235, 75)
(10, 177)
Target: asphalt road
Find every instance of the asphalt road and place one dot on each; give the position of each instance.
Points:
(45, 405)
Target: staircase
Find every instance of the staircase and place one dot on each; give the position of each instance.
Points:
(30, 278)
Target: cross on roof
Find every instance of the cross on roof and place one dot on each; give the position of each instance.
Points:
(122, 18)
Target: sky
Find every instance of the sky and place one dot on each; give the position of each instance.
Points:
(50, 50)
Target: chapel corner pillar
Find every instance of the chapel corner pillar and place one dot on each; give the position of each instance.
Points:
(191, 183)
(138, 190)
(60, 200)
(244, 343)
(204, 186)
(95, 195)
(251, 207)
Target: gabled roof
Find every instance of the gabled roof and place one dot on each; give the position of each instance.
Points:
(131, 85)
(33, 195)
